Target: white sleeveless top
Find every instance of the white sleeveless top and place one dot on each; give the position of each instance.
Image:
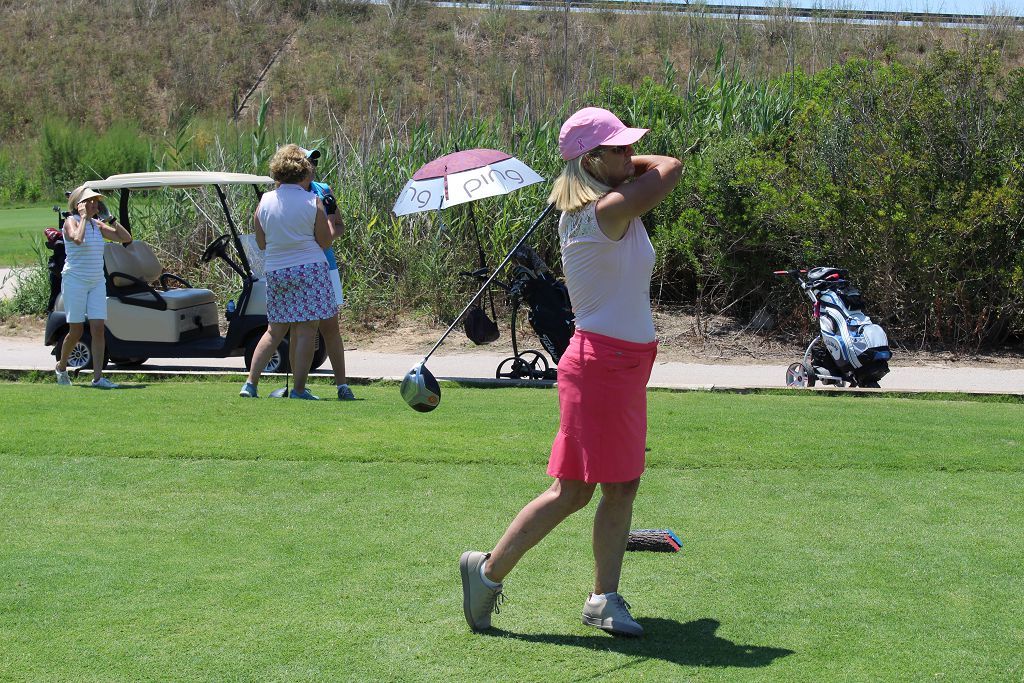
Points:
(288, 215)
(609, 281)
(84, 261)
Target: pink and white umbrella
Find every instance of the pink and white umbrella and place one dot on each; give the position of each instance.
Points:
(463, 177)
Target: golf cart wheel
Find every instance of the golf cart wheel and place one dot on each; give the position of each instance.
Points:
(797, 376)
(127, 362)
(81, 354)
(278, 361)
(319, 352)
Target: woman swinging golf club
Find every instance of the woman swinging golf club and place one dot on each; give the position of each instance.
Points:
(608, 260)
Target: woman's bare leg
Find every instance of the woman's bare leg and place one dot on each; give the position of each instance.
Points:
(611, 531)
(75, 332)
(98, 347)
(534, 522)
(331, 333)
(270, 340)
(302, 339)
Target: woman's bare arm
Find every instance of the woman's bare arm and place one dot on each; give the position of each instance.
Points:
(74, 230)
(114, 231)
(261, 237)
(321, 230)
(654, 178)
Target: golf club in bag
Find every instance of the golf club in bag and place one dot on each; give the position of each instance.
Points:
(419, 388)
(849, 348)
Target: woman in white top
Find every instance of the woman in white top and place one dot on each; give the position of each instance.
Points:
(83, 287)
(291, 226)
(602, 376)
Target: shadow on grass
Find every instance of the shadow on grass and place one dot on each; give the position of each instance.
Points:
(120, 387)
(691, 644)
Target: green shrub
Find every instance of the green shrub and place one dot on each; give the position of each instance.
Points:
(72, 154)
(19, 181)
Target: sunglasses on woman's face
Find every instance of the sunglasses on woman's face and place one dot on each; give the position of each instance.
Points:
(616, 149)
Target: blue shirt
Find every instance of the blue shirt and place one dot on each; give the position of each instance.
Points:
(323, 190)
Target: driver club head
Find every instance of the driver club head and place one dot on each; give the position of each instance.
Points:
(420, 389)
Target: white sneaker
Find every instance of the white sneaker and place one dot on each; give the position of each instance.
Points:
(103, 383)
(610, 612)
(63, 379)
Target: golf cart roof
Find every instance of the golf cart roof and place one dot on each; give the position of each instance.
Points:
(153, 181)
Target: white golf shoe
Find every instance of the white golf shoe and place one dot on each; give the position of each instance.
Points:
(479, 600)
(610, 612)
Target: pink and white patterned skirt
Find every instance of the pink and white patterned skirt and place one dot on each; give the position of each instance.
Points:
(299, 294)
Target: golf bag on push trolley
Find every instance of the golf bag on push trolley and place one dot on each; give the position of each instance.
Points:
(549, 312)
(850, 349)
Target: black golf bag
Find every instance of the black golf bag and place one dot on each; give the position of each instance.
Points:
(55, 263)
(549, 313)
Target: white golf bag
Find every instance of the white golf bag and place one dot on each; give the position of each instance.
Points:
(850, 349)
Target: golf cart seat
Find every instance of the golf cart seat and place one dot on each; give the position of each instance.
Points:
(131, 269)
(137, 310)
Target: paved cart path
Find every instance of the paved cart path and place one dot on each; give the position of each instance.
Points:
(19, 353)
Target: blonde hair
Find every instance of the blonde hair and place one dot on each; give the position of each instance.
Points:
(289, 165)
(576, 186)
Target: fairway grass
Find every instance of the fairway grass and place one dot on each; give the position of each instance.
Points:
(20, 229)
(177, 532)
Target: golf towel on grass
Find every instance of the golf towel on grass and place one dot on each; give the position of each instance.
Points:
(602, 402)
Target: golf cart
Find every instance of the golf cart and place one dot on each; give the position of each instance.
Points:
(154, 314)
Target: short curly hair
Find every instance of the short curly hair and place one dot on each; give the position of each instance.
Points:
(289, 165)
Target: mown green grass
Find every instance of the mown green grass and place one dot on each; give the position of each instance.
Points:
(20, 229)
(175, 531)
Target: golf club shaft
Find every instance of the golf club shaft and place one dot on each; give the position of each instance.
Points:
(483, 288)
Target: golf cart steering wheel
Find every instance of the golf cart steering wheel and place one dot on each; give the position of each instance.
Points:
(218, 247)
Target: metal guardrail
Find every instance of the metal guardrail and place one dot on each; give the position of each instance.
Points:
(746, 11)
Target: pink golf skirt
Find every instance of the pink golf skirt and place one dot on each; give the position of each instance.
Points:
(602, 403)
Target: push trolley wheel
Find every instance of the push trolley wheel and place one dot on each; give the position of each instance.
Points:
(537, 363)
(527, 365)
(798, 377)
(513, 367)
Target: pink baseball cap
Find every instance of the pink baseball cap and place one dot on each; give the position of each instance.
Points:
(592, 127)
